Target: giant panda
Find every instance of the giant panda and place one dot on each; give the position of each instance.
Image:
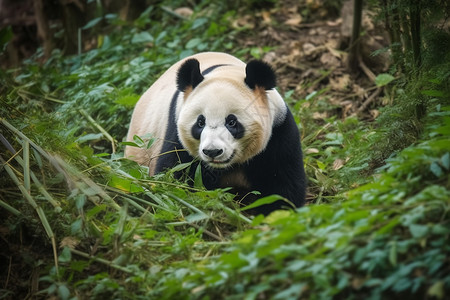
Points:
(213, 108)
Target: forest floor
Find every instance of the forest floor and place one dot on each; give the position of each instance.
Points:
(311, 55)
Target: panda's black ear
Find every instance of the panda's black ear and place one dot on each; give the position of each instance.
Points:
(189, 75)
(260, 74)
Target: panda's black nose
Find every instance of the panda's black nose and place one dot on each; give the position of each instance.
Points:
(213, 152)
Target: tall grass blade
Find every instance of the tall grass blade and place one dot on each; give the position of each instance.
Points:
(26, 166)
(38, 209)
(101, 260)
(171, 195)
(100, 128)
(10, 208)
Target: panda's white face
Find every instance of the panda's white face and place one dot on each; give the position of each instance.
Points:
(224, 122)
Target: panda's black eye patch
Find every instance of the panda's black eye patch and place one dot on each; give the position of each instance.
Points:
(197, 129)
(234, 126)
(201, 121)
(232, 123)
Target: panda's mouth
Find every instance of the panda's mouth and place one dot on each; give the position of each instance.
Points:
(221, 163)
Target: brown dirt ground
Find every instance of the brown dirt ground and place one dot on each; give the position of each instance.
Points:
(310, 55)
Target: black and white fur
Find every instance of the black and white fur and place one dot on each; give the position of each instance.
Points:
(229, 115)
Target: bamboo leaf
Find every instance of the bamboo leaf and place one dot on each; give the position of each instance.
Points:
(264, 201)
(445, 160)
(63, 292)
(180, 167)
(437, 290)
(142, 37)
(92, 23)
(436, 169)
(418, 231)
(198, 180)
(393, 253)
(384, 79)
(65, 256)
(132, 144)
(433, 93)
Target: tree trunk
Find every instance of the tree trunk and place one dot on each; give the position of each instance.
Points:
(414, 11)
(73, 18)
(43, 30)
(391, 20)
(127, 9)
(352, 62)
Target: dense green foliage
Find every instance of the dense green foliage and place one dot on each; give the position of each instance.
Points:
(385, 239)
(99, 226)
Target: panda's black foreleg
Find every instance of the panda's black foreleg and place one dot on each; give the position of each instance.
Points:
(279, 168)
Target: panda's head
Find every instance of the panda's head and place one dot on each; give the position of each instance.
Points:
(226, 117)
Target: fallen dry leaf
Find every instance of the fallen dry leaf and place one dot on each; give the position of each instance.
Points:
(314, 4)
(357, 283)
(244, 21)
(294, 20)
(329, 60)
(338, 163)
(319, 115)
(340, 83)
(311, 150)
(332, 45)
(184, 11)
(270, 57)
(357, 89)
(308, 48)
(69, 241)
(266, 16)
(374, 113)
